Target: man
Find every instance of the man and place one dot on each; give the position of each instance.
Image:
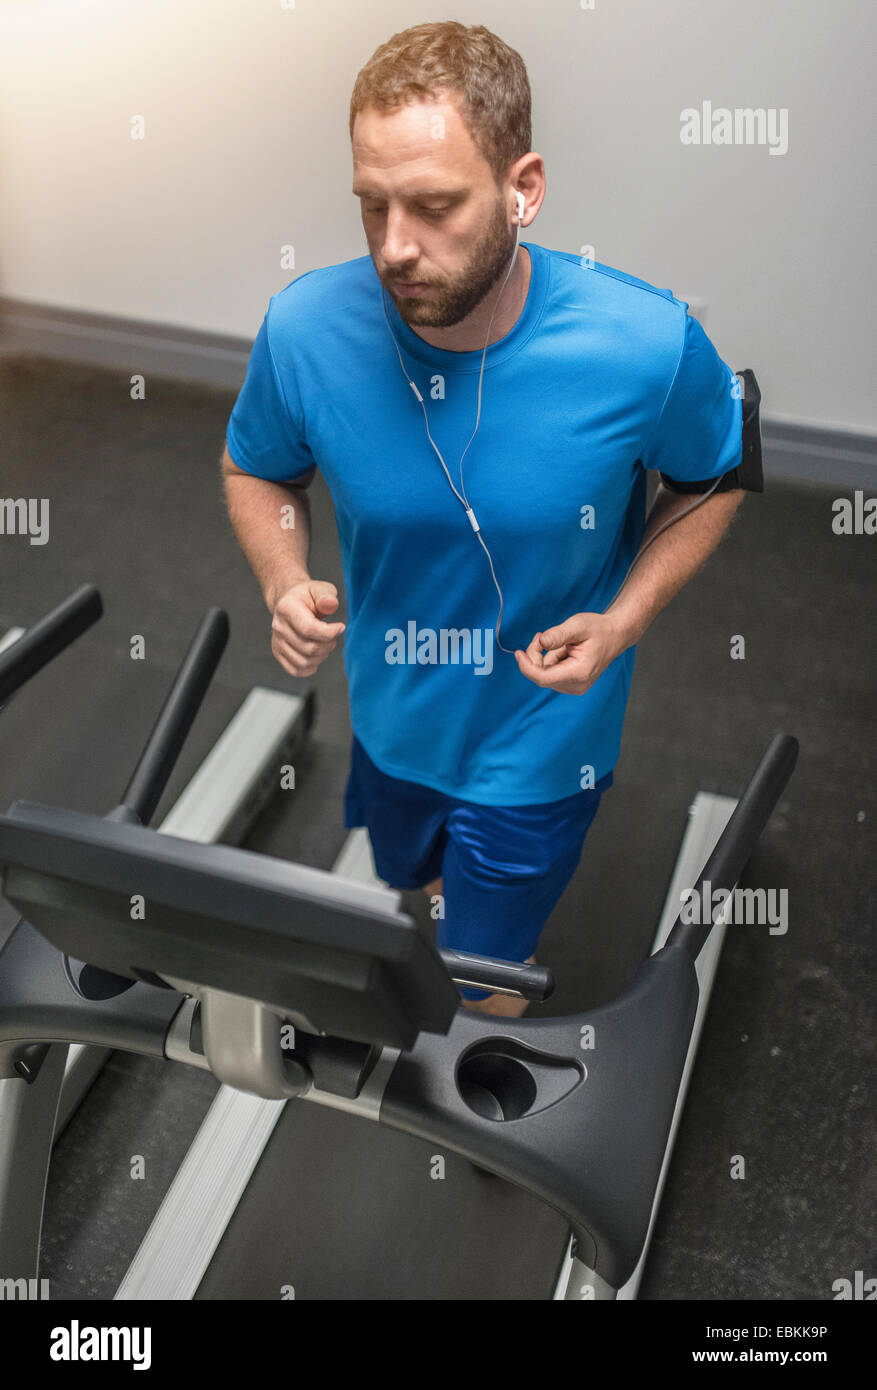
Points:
(489, 645)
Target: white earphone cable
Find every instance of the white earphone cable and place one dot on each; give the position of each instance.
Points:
(461, 496)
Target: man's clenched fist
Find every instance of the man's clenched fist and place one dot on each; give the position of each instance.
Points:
(300, 639)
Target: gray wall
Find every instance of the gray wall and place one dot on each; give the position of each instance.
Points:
(246, 150)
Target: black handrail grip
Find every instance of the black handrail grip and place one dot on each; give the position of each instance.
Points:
(47, 637)
(740, 836)
(488, 972)
(163, 746)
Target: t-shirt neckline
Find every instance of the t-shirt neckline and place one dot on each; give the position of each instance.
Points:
(449, 360)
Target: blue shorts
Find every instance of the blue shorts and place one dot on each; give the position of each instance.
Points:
(503, 868)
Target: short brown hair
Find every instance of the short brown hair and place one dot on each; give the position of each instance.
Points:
(418, 63)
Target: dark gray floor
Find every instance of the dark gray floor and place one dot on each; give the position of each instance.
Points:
(786, 1071)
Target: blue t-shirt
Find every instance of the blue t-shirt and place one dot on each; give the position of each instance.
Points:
(601, 378)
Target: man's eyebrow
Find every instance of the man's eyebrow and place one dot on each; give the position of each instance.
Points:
(363, 191)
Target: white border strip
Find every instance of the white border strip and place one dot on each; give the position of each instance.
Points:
(708, 816)
(188, 1226)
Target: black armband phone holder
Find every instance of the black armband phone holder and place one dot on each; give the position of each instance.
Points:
(748, 472)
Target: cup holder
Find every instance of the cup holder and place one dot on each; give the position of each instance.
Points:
(501, 1079)
(92, 983)
(496, 1086)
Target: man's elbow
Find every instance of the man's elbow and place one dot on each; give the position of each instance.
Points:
(228, 466)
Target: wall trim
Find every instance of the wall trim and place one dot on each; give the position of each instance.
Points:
(802, 451)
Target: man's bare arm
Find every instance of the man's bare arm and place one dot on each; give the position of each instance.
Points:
(575, 653)
(276, 550)
(272, 522)
(673, 559)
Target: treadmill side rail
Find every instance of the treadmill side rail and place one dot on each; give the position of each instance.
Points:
(593, 1151)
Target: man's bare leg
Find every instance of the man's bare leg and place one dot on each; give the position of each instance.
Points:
(500, 1005)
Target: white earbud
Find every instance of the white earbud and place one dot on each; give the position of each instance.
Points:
(520, 201)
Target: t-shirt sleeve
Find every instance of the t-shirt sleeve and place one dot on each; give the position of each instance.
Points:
(264, 436)
(699, 434)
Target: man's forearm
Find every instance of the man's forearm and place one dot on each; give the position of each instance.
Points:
(272, 524)
(673, 558)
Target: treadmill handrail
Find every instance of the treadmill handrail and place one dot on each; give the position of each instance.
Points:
(740, 836)
(47, 637)
(162, 748)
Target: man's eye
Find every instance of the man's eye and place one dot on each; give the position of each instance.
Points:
(427, 212)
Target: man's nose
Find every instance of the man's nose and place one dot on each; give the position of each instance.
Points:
(399, 247)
